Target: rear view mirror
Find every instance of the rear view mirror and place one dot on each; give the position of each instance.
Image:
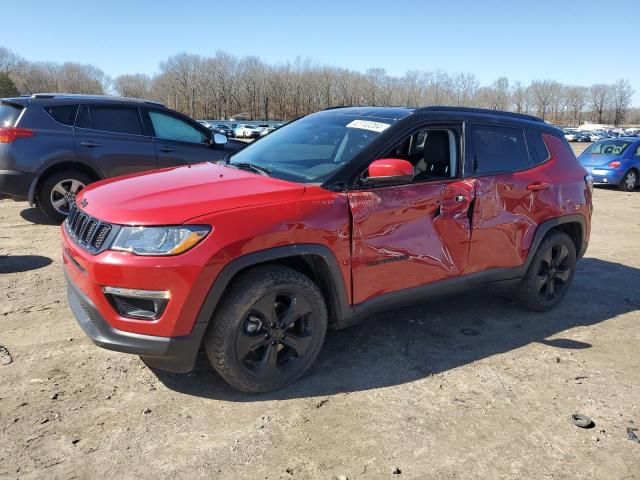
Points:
(389, 170)
(219, 139)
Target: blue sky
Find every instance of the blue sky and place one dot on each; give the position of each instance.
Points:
(580, 42)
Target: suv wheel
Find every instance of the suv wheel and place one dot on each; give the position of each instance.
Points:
(629, 181)
(268, 329)
(57, 190)
(549, 275)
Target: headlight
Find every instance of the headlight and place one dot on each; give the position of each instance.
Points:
(159, 240)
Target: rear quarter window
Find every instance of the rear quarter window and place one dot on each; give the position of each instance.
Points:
(498, 149)
(64, 114)
(538, 152)
(8, 115)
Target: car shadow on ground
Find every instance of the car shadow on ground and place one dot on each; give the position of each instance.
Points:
(409, 344)
(34, 215)
(22, 263)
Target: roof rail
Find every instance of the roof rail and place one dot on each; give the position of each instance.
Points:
(96, 97)
(336, 107)
(484, 111)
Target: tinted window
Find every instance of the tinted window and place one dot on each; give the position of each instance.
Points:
(8, 115)
(64, 114)
(172, 128)
(84, 118)
(116, 120)
(498, 149)
(537, 148)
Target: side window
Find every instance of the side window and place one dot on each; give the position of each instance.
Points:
(637, 154)
(169, 127)
(64, 114)
(84, 118)
(498, 149)
(116, 119)
(537, 149)
(433, 152)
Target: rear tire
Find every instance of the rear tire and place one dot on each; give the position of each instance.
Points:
(550, 274)
(629, 181)
(58, 189)
(268, 329)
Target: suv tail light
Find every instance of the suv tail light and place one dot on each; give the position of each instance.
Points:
(9, 134)
(614, 164)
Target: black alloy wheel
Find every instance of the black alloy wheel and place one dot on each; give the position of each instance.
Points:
(549, 275)
(268, 329)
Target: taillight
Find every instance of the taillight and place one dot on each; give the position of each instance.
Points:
(614, 164)
(9, 134)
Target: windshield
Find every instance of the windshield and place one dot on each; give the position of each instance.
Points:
(309, 150)
(608, 147)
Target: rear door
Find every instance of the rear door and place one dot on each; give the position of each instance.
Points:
(112, 138)
(513, 193)
(179, 140)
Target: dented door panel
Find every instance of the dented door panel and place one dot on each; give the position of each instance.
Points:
(402, 238)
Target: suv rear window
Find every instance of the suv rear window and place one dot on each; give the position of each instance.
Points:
(64, 114)
(498, 149)
(8, 115)
(111, 119)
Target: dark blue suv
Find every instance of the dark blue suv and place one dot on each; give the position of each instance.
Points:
(52, 145)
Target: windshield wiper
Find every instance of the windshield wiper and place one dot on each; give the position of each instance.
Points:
(251, 167)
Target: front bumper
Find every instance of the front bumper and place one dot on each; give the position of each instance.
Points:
(15, 184)
(173, 354)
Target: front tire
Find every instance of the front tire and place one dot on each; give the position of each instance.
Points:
(629, 181)
(268, 329)
(550, 274)
(57, 191)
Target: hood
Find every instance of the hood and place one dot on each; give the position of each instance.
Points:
(175, 195)
(589, 160)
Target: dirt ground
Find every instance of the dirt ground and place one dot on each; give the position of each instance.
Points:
(464, 387)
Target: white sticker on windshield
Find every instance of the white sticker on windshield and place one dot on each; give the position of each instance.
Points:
(367, 125)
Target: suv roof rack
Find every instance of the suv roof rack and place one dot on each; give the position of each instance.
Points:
(96, 97)
(483, 111)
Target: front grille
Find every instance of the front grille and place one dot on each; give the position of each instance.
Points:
(85, 230)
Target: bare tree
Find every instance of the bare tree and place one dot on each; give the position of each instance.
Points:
(464, 86)
(577, 98)
(621, 93)
(600, 96)
(542, 93)
(136, 85)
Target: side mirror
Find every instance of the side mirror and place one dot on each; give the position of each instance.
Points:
(219, 139)
(389, 171)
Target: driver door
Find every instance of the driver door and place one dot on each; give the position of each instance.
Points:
(409, 235)
(180, 141)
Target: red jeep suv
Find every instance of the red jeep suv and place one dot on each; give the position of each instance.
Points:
(339, 214)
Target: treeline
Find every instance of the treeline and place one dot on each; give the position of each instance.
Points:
(224, 86)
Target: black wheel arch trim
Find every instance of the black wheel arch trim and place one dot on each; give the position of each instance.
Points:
(340, 298)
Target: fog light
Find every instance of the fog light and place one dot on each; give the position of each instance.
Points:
(137, 304)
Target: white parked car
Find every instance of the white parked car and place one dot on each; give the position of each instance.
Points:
(246, 131)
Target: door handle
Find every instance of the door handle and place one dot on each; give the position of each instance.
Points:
(166, 149)
(90, 144)
(536, 186)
